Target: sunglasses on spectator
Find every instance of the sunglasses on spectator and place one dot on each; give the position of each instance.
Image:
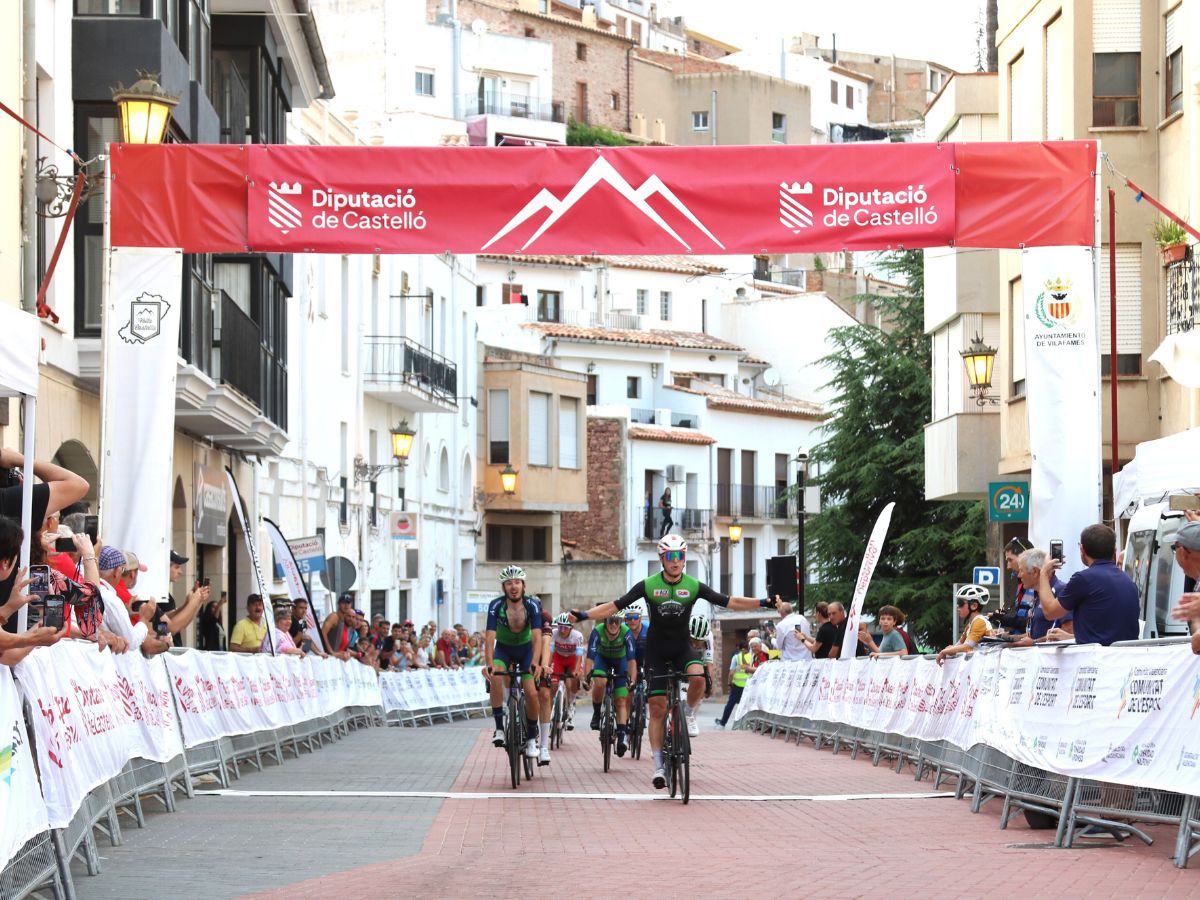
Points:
(673, 556)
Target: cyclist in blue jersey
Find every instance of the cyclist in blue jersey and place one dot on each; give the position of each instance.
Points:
(639, 630)
(511, 623)
(611, 655)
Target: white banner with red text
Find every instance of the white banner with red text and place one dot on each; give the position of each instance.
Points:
(20, 797)
(1118, 714)
(223, 694)
(93, 712)
(427, 689)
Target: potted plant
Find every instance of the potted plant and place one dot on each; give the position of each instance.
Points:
(1171, 240)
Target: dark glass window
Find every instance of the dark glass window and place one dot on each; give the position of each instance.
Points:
(1116, 89)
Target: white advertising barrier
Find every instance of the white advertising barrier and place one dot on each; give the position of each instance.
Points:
(423, 689)
(20, 797)
(225, 694)
(1128, 715)
(92, 713)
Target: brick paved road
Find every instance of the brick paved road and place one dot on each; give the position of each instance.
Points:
(402, 846)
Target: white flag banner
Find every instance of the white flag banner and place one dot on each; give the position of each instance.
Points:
(92, 713)
(1062, 383)
(1128, 715)
(251, 537)
(139, 346)
(20, 796)
(291, 575)
(865, 571)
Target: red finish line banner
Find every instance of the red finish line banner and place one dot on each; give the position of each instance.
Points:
(631, 200)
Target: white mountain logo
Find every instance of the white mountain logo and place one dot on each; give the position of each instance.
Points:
(602, 170)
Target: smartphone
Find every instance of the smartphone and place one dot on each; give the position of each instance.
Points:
(39, 580)
(52, 614)
(64, 545)
(205, 582)
(1056, 549)
(91, 527)
(798, 627)
(306, 646)
(162, 630)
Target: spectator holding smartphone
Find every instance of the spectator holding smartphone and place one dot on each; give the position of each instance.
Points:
(791, 633)
(1102, 598)
(211, 633)
(14, 647)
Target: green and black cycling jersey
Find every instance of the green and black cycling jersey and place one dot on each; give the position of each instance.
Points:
(670, 606)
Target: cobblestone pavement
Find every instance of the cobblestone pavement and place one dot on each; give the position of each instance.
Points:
(897, 839)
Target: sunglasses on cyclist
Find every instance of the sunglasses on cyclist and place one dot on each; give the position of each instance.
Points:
(672, 556)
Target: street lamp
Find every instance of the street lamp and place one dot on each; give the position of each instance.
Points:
(508, 479)
(978, 359)
(801, 474)
(735, 531)
(402, 441)
(145, 110)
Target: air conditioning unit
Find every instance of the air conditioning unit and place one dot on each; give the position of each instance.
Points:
(675, 474)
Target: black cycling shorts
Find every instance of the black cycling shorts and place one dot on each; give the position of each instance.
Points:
(679, 655)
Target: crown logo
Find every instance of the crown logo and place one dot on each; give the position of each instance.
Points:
(285, 188)
(1058, 286)
(796, 187)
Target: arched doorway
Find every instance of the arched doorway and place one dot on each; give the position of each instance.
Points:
(76, 457)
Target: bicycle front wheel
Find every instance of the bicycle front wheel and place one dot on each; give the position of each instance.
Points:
(684, 755)
(512, 738)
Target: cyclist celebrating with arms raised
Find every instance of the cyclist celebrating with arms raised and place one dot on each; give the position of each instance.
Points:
(511, 621)
(669, 596)
(611, 654)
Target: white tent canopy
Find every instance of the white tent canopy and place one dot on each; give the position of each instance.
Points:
(18, 353)
(1157, 469)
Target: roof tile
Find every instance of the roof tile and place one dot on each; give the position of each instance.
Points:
(687, 340)
(669, 435)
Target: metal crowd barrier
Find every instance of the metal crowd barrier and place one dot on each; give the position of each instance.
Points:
(984, 773)
(44, 863)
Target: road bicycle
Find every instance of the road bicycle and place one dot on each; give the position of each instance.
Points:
(637, 719)
(677, 746)
(608, 724)
(561, 711)
(514, 726)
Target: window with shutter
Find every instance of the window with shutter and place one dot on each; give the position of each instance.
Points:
(497, 426)
(1016, 320)
(1173, 66)
(1129, 311)
(568, 433)
(1116, 62)
(1055, 125)
(539, 429)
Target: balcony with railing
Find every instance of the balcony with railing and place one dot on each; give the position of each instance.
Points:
(588, 318)
(401, 371)
(1183, 290)
(754, 501)
(684, 520)
(229, 387)
(516, 106)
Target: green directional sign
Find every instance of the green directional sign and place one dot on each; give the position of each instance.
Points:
(1008, 501)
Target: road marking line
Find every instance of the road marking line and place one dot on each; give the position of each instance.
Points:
(544, 795)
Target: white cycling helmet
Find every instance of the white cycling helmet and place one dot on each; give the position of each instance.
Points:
(510, 572)
(976, 592)
(699, 628)
(671, 542)
(562, 619)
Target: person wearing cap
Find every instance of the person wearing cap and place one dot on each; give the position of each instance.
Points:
(336, 629)
(1103, 599)
(1187, 554)
(117, 619)
(249, 633)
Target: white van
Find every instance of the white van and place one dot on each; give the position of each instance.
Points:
(1150, 562)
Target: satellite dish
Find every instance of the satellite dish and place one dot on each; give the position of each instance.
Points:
(479, 27)
(771, 377)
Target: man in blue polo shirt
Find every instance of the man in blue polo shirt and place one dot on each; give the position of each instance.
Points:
(1102, 598)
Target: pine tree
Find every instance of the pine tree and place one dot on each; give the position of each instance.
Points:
(873, 452)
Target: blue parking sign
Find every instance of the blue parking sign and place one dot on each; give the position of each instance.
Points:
(986, 575)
